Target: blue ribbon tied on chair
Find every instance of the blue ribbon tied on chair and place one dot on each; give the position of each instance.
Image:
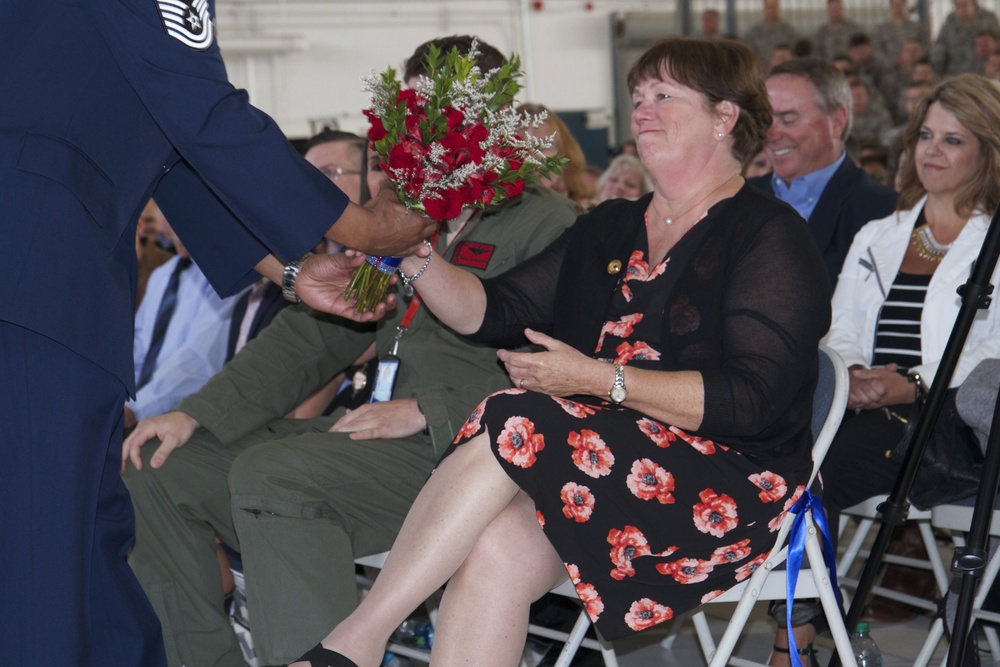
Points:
(796, 547)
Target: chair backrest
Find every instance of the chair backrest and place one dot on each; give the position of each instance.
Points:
(829, 403)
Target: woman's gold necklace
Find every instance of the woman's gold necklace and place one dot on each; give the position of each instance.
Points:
(926, 245)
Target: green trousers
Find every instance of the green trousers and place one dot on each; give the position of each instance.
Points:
(297, 502)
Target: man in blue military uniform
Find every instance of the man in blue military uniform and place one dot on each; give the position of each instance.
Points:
(105, 104)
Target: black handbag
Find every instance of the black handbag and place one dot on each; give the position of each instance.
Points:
(952, 462)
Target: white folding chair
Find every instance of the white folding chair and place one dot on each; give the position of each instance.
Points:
(957, 517)
(866, 514)
(768, 582)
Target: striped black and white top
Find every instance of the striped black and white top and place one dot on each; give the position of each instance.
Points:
(897, 334)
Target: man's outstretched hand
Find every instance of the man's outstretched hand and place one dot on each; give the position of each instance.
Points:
(324, 278)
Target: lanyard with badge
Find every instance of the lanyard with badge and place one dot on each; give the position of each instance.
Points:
(388, 366)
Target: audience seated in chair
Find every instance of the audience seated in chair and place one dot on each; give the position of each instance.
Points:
(896, 302)
(300, 499)
(180, 334)
(812, 172)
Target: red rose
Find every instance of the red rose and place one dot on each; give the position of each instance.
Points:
(512, 190)
(409, 96)
(455, 118)
(377, 130)
(445, 207)
(406, 155)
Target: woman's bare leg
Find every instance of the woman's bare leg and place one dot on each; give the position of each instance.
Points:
(465, 494)
(483, 619)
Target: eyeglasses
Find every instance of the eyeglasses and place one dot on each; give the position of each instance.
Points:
(335, 173)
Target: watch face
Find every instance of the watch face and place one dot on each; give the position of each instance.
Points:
(617, 394)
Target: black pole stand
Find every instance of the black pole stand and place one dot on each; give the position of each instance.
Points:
(975, 296)
(970, 561)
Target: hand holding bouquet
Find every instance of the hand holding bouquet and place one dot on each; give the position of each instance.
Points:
(450, 143)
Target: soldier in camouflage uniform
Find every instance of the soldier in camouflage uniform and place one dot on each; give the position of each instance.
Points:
(954, 50)
(770, 33)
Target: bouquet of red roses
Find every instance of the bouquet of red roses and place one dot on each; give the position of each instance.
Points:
(452, 142)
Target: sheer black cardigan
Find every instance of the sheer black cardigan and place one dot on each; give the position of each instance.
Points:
(748, 304)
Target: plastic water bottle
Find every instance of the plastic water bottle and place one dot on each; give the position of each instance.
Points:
(865, 649)
(392, 660)
(423, 635)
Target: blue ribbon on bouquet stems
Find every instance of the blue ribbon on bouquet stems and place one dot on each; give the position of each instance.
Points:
(796, 547)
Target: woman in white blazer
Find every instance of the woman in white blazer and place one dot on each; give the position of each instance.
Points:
(896, 301)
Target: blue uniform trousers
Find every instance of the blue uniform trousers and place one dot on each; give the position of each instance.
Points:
(67, 596)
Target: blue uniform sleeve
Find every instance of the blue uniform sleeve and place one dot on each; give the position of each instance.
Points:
(245, 172)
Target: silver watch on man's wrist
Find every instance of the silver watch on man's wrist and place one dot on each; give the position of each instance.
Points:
(288, 278)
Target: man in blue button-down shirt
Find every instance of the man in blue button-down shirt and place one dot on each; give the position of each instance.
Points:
(812, 172)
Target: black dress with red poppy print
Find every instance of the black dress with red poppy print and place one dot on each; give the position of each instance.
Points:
(650, 521)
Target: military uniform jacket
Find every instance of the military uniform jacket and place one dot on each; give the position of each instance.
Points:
(447, 374)
(106, 103)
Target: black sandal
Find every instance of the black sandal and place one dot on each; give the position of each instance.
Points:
(324, 657)
(807, 651)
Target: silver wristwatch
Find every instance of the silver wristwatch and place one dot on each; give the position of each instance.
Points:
(618, 393)
(288, 278)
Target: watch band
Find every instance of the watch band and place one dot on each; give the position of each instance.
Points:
(288, 278)
(918, 383)
(617, 394)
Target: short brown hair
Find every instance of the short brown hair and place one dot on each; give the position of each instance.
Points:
(974, 100)
(719, 69)
(489, 56)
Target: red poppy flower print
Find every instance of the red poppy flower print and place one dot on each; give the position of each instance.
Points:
(640, 352)
(574, 573)
(649, 480)
(772, 487)
(578, 410)
(638, 268)
(541, 518)
(775, 523)
(471, 425)
(657, 432)
(646, 613)
(591, 454)
(732, 553)
(711, 595)
(625, 545)
(622, 328)
(715, 514)
(687, 570)
(518, 443)
(703, 445)
(578, 502)
(744, 571)
(626, 292)
(591, 601)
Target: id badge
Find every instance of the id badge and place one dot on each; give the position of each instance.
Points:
(385, 379)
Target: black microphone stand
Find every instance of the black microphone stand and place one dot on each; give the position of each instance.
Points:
(969, 561)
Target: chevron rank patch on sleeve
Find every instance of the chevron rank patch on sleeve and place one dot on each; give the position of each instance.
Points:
(187, 21)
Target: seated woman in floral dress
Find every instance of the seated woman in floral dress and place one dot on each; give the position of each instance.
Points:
(652, 447)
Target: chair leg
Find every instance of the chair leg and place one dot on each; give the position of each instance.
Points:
(572, 644)
(930, 644)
